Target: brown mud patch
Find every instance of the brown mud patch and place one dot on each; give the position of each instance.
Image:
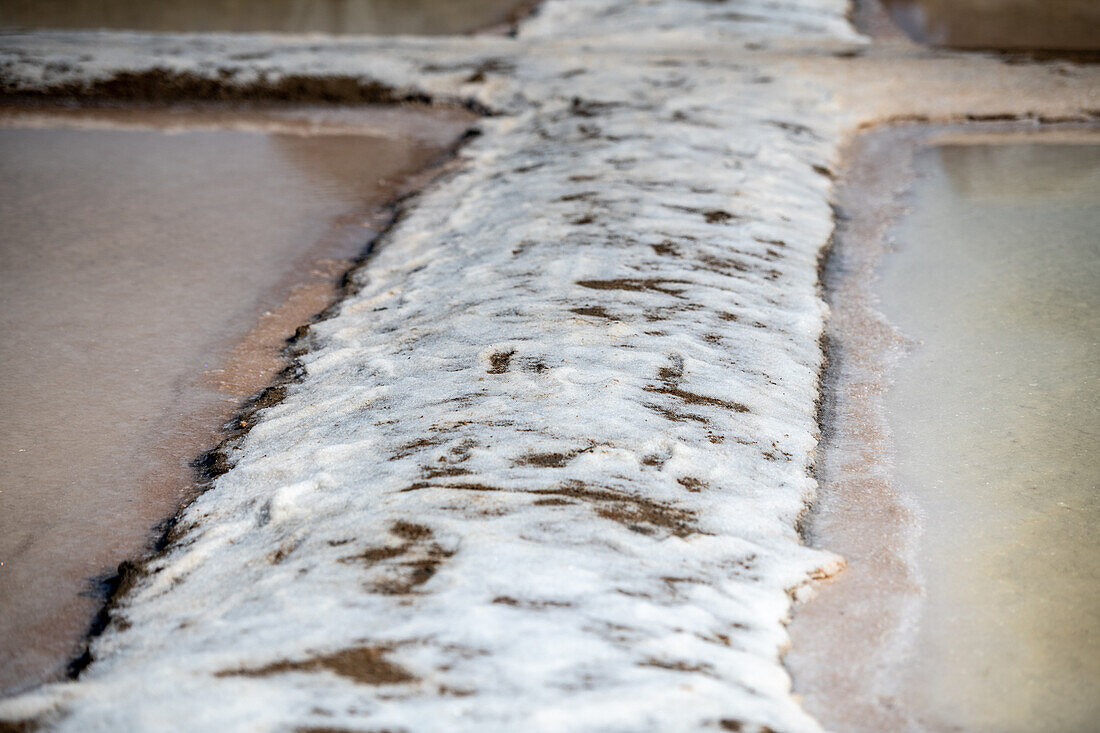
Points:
(365, 665)
(552, 459)
(499, 361)
(18, 726)
(420, 560)
(671, 377)
(641, 285)
(692, 398)
(594, 311)
(529, 605)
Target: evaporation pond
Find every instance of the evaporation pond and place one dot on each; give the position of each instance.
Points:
(139, 251)
(1054, 25)
(375, 17)
(995, 419)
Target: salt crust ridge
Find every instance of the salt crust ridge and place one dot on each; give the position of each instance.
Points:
(545, 466)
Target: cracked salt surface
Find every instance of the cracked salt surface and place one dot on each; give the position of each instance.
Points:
(543, 469)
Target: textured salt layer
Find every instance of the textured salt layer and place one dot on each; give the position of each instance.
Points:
(543, 470)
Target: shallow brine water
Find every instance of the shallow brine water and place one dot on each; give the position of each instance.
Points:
(995, 420)
(376, 17)
(965, 485)
(1066, 25)
(152, 265)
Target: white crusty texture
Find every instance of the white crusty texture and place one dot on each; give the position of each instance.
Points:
(543, 470)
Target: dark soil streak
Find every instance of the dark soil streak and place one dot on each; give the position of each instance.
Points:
(410, 531)
(658, 285)
(691, 484)
(166, 85)
(674, 416)
(417, 445)
(634, 512)
(692, 398)
(530, 605)
(376, 554)
(499, 361)
(363, 665)
(595, 311)
(718, 216)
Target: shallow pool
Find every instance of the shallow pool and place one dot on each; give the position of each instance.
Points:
(995, 413)
(152, 265)
(376, 17)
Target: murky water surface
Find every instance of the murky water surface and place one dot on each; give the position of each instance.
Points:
(152, 265)
(959, 472)
(1070, 25)
(995, 415)
(377, 17)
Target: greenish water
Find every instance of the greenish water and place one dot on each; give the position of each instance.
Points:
(995, 420)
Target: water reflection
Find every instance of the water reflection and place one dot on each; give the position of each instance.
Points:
(376, 17)
(1024, 173)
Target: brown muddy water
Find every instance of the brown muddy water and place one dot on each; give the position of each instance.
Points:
(959, 474)
(1051, 25)
(375, 17)
(152, 266)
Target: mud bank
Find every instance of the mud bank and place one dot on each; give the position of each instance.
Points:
(546, 464)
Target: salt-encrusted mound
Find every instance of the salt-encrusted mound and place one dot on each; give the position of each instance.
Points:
(544, 468)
